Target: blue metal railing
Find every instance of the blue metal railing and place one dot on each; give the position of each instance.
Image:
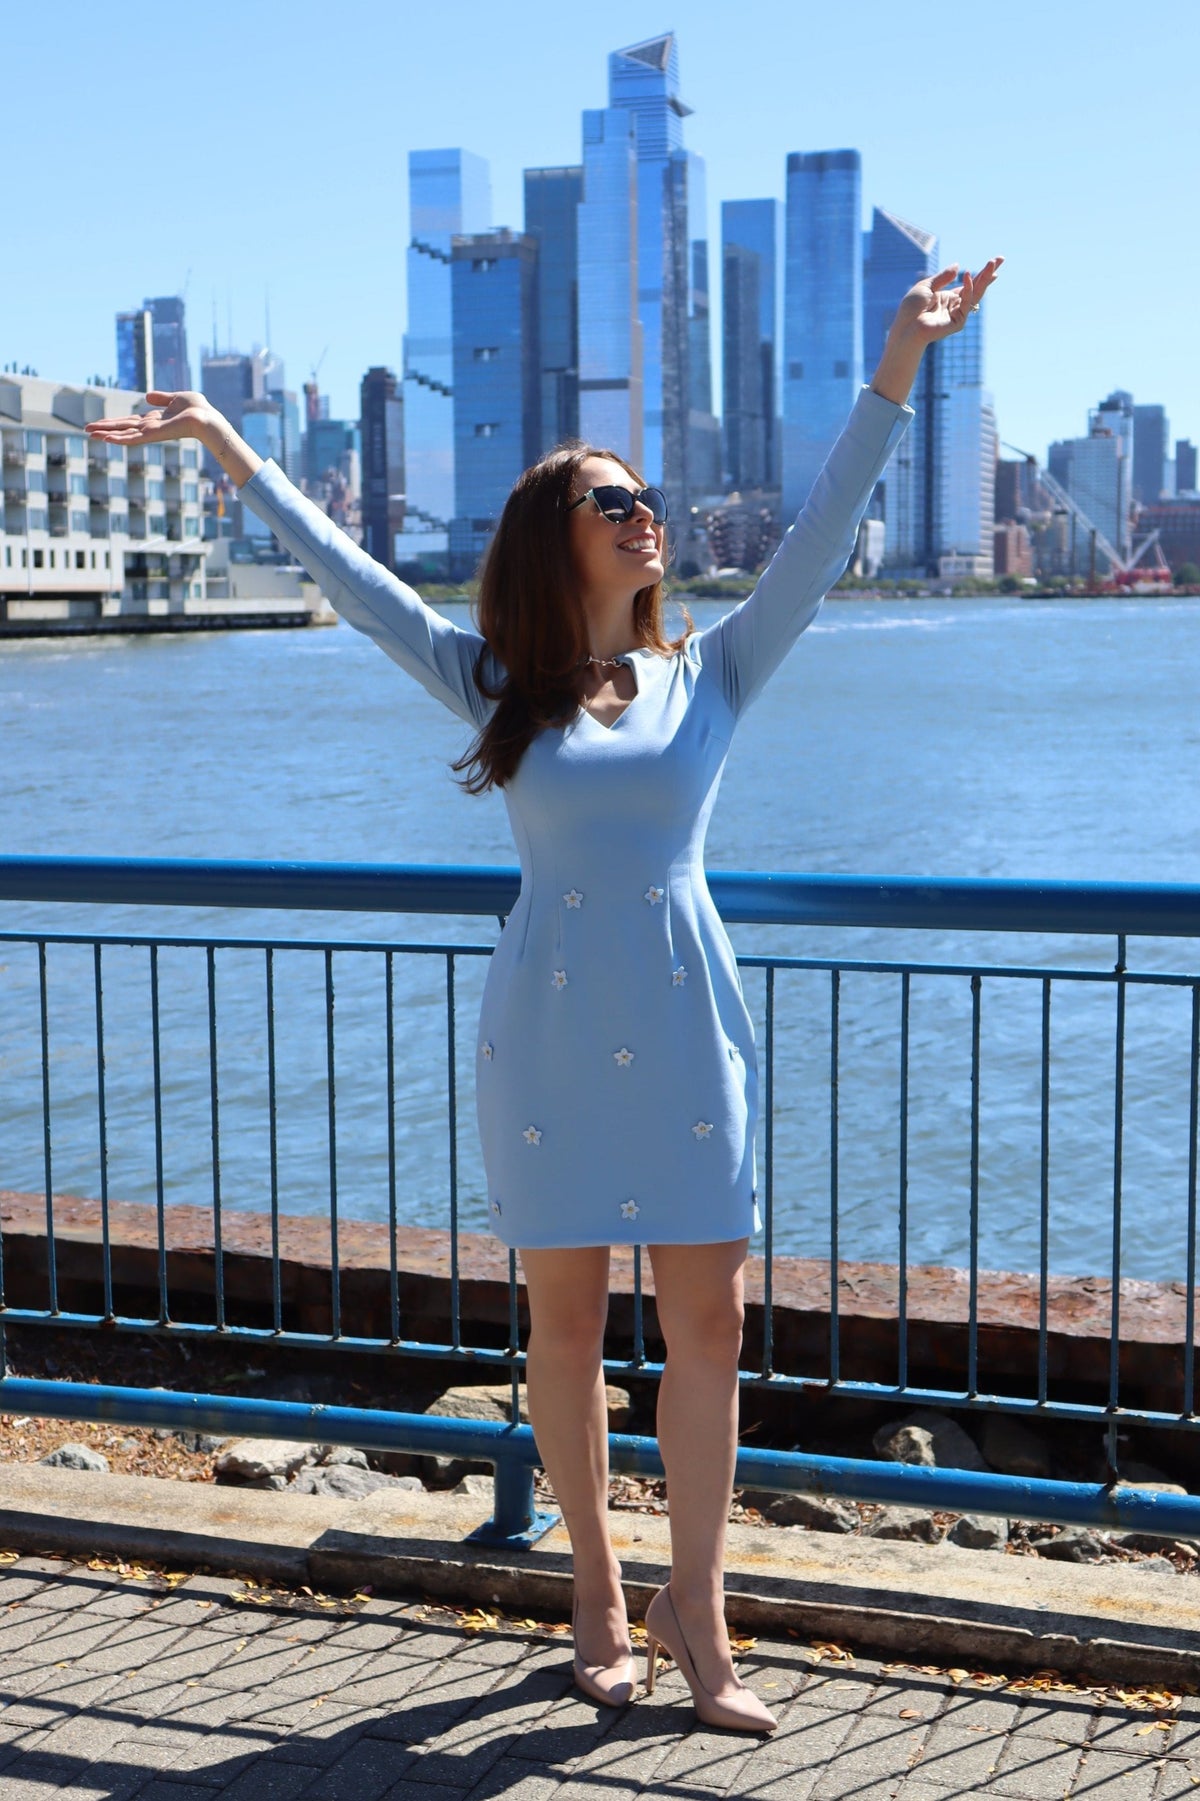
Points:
(895, 904)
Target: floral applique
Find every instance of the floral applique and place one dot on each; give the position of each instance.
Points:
(654, 895)
(531, 1135)
(623, 1058)
(703, 1128)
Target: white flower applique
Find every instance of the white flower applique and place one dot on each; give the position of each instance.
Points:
(487, 1050)
(623, 1058)
(678, 977)
(559, 978)
(653, 895)
(531, 1135)
(573, 898)
(629, 1209)
(703, 1128)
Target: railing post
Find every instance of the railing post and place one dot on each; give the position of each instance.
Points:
(516, 1524)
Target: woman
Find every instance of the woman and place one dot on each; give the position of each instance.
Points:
(615, 1057)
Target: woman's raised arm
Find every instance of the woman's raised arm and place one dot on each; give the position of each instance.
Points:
(745, 646)
(441, 655)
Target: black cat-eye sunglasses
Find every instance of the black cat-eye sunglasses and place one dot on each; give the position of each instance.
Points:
(617, 504)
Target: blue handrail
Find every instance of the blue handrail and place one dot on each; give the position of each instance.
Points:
(1137, 909)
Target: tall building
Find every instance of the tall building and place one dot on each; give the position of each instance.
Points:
(552, 199)
(135, 351)
(1185, 466)
(822, 332)
(672, 285)
(381, 404)
(449, 194)
(610, 330)
(262, 428)
(1097, 471)
(895, 255)
(497, 379)
(1151, 448)
(172, 367)
(963, 423)
(752, 257)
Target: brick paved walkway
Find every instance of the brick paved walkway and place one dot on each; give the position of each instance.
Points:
(111, 1688)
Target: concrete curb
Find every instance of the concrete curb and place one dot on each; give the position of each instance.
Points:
(922, 1603)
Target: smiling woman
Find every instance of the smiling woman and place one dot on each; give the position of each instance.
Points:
(617, 1087)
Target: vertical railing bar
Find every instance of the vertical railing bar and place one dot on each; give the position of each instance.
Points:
(768, 1347)
(273, 1133)
(835, 983)
(160, 1199)
(452, 1125)
(902, 1246)
(215, 1105)
(335, 1270)
(1114, 1365)
(47, 1158)
(393, 1265)
(102, 1125)
(1044, 1209)
(973, 1291)
(639, 1342)
(1189, 1344)
(514, 1341)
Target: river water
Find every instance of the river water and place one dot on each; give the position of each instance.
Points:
(942, 737)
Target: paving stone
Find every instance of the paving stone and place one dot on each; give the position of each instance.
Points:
(703, 1762)
(497, 1652)
(777, 1782)
(1178, 1777)
(1127, 1733)
(511, 1780)
(35, 1783)
(65, 1636)
(974, 1708)
(807, 1737)
(1065, 1720)
(953, 1756)
(836, 1689)
(318, 1672)
(365, 1773)
(923, 1698)
(133, 1643)
(1034, 1768)
(269, 1780)
(877, 1749)
(320, 1733)
(1116, 1778)
(461, 1755)
(224, 1753)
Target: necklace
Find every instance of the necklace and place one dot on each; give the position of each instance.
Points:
(601, 662)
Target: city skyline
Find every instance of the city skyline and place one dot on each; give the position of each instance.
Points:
(1013, 161)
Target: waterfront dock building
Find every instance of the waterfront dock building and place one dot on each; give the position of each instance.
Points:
(89, 530)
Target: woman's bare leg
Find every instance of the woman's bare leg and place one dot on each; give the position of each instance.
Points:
(698, 1296)
(568, 1307)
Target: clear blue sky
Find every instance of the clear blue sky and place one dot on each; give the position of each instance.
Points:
(265, 146)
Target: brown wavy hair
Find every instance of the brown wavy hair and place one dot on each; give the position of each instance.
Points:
(531, 615)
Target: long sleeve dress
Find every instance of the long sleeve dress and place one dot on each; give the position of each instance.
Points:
(616, 1079)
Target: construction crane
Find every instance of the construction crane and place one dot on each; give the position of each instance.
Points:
(1122, 568)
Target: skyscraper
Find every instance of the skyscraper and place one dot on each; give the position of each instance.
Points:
(672, 259)
(497, 376)
(172, 368)
(895, 255)
(822, 333)
(1185, 466)
(963, 423)
(1097, 471)
(610, 331)
(381, 414)
(449, 194)
(1151, 445)
(752, 254)
(552, 199)
(135, 351)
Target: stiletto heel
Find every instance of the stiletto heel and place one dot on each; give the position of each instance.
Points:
(612, 1684)
(745, 1714)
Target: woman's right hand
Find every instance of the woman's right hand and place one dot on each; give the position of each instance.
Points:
(181, 415)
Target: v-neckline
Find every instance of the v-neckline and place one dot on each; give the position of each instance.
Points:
(628, 658)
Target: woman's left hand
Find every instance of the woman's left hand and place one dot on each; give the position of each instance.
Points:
(933, 309)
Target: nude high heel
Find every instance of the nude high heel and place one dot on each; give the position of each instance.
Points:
(611, 1684)
(741, 1713)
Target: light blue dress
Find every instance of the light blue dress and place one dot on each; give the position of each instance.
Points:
(616, 1078)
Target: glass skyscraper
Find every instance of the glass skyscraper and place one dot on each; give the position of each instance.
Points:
(135, 351)
(822, 331)
(172, 367)
(552, 199)
(449, 194)
(1151, 453)
(752, 307)
(964, 453)
(497, 371)
(610, 332)
(672, 266)
(895, 255)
